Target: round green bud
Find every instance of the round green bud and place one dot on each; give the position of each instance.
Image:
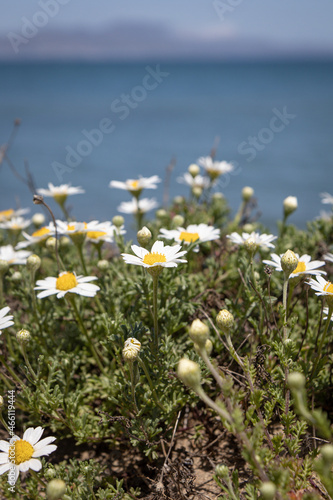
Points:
(217, 196)
(33, 262)
(222, 471)
(56, 489)
(247, 193)
(161, 213)
(50, 473)
(179, 200)
(144, 236)
(225, 320)
(17, 277)
(178, 220)
(267, 490)
(290, 204)
(289, 262)
(327, 453)
(189, 373)
(103, 265)
(296, 381)
(23, 336)
(197, 191)
(51, 243)
(64, 242)
(199, 332)
(194, 170)
(118, 220)
(38, 219)
(249, 228)
(4, 266)
(250, 245)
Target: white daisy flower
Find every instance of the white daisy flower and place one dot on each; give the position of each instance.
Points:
(262, 240)
(304, 266)
(10, 213)
(15, 224)
(67, 282)
(36, 237)
(60, 193)
(8, 253)
(329, 257)
(160, 256)
(135, 186)
(5, 321)
(215, 168)
(198, 233)
(197, 181)
(105, 231)
(73, 227)
(326, 198)
(135, 206)
(321, 286)
(20, 455)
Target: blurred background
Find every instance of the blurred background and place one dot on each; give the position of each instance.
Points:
(110, 90)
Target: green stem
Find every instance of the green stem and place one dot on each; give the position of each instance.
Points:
(80, 252)
(150, 383)
(85, 333)
(130, 364)
(1, 290)
(32, 372)
(213, 371)
(155, 313)
(285, 337)
(11, 372)
(328, 320)
(33, 473)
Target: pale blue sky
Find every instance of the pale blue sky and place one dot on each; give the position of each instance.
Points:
(294, 22)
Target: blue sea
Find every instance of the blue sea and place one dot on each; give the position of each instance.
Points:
(87, 124)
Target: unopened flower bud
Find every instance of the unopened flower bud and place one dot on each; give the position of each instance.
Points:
(118, 220)
(290, 204)
(64, 242)
(194, 170)
(327, 453)
(103, 265)
(225, 320)
(131, 349)
(143, 236)
(33, 262)
(197, 191)
(161, 213)
(249, 228)
(247, 193)
(56, 489)
(50, 473)
(178, 220)
(23, 336)
(296, 381)
(179, 200)
(1, 402)
(208, 347)
(4, 266)
(199, 332)
(267, 490)
(217, 196)
(17, 277)
(51, 243)
(250, 245)
(189, 372)
(289, 262)
(38, 219)
(222, 471)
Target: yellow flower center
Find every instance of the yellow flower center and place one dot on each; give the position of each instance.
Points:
(153, 258)
(6, 214)
(43, 231)
(20, 452)
(188, 237)
(134, 184)
(328, 287)
(66, 281)
(301, 267)
(73, 227)
(95, 235)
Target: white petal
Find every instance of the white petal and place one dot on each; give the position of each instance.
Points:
(34, 464)
(46, 450)
(5, 467)
(33, 435)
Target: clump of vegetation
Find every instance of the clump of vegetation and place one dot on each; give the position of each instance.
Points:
(141, 359)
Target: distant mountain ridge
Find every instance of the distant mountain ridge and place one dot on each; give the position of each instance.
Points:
(138, 41)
